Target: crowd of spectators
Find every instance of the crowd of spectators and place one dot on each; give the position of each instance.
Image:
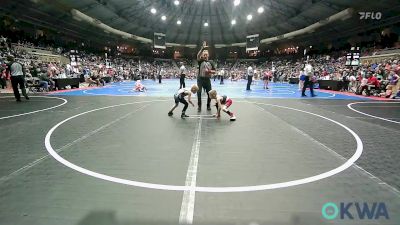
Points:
(93, 69)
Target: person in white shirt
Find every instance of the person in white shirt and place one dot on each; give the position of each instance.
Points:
(17, 72)
(161, 73)
(308, 72)
(182, 72)
(179, 97)
(250, 73)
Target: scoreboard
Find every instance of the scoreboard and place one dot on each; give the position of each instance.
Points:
(252, 42)
(75, 58)
(159, 40)
(353, 57)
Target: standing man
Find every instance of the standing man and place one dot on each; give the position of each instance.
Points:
(160, 74)
(206, 69)
(182, 72)
(222, 76)
(250, 73)
(17, 73)
(308, 73)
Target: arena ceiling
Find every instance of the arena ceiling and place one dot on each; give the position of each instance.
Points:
(279, 17)
(136, 17)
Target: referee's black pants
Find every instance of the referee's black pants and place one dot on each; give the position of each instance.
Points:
(182, 81)
(3, 83)
(15, 81)
(309, 83)
(249, 80)
(203, 82)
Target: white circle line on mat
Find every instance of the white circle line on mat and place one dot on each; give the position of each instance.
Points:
(286, 184)
(35, 111)
(366, 114)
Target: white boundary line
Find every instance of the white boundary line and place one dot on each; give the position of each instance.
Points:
(36, 111)
(204, 117)
(39, 160)
(188, 200)
(357, 167)
(366, 114)
(311, 179)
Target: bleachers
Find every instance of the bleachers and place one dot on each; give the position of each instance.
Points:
(42, 54)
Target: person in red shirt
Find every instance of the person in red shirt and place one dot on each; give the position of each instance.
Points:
(372, 83)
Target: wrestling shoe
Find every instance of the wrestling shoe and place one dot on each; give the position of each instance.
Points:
(233, 118)
(183, 116)
(170, 113)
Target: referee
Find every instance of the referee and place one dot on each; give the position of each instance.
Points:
(206, 69)
(250, 73)
(182, 71)
(309, 72)
(17, 73)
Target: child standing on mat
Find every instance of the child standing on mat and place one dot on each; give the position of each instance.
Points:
(180, 97)
(223, 102)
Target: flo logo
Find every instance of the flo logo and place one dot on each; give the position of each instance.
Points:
(355, 210)
(370, 15)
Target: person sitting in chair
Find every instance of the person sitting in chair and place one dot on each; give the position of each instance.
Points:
(372, 83)
(394, 85)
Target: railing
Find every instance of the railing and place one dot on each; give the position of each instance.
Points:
(388, 51)
(378, 58)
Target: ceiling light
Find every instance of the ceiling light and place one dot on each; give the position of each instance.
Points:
(176, 2)
(249, 17)
(153, 10)
(260, 10)
(178, 22)
(206, 24)
(163, 17)
(236, 2)
(233, 22)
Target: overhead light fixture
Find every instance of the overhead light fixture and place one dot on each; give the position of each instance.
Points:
(233, 22)
(153, 10)
(206, 24)
(163, 17)
(249, 17)
(260, 9)
(236, 2)
(179, 22)
(176, 2)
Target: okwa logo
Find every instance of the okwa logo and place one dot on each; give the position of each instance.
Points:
(355, 210)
